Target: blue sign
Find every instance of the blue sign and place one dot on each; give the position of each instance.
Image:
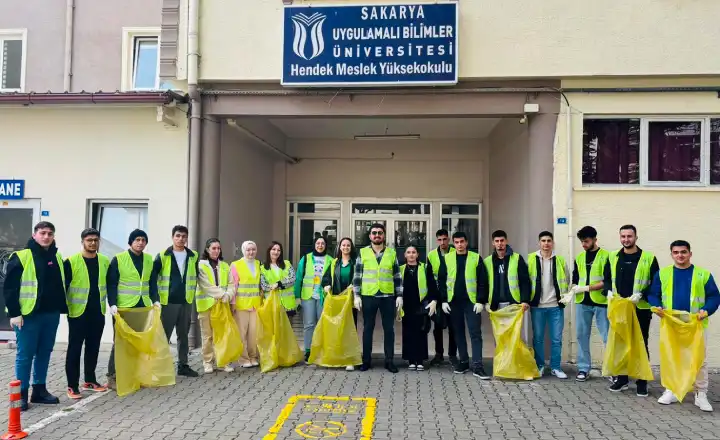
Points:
(350, 46)
(45, 213)
(12, 189)
(562, 220)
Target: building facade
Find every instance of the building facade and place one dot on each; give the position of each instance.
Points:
(308, 119)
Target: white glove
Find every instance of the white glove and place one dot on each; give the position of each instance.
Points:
(327, 289)
(477, 308)
(274, 286)
(156, 304)
(446, 308)
(113, 310)
(635, 298)
(16, 322)
(357, 302)
(398, 302)
(582, 289)
(610, 295)
(432, 308)
(226, 297)
(568, 297)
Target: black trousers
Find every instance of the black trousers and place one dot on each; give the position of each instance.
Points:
(440, 343)
(370, 307)
(85, 329)
(644, 317)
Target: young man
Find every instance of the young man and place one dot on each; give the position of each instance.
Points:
(463, 289)
(377, 285)
(436, 259)
(550, 279)
(632, 270)
(35, 297)
(131, 282)
(591, 275)
(684, 286)
(177, 269)
(86, 282)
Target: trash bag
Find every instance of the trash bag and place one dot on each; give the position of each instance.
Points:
(335, 342)
(513, 358)
(226, 336)
(142, 353)
(682, 351)
(625, 353)
(276, 340)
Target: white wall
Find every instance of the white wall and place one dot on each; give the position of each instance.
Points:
(70, 155)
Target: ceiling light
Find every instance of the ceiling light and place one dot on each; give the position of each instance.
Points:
(386, 137)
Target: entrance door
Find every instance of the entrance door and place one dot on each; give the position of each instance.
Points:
(400, 233)
(17, 218)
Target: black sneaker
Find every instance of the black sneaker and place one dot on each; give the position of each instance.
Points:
(365, 366)
(642, 389)
(479, 371)
(461, 367)
(581, 376)
(391, 367)
(41, 395)
(307, 355)
(453, 360)
(619, 385)
(185, 370)
(437, 360)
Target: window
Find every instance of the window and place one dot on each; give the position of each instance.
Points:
(651, 151)
(115, 221)
(463, 218)
(141, 60)
(12, 60)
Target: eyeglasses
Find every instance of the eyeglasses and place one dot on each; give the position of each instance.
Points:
(377, 233)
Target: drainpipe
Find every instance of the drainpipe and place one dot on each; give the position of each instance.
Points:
(69, 23)
(195, 148)
(571, 233)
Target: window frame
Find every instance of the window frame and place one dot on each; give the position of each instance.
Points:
(132, 36)
(644, 152)
(97, 204)
(10, 35)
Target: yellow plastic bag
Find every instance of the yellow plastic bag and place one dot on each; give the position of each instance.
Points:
(226, 336)
(335, 342)
(513, 359)
(142, 353)
(275, 337)
(625, 353)
(682, 351)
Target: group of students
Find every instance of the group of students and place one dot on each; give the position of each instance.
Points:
(450, 289)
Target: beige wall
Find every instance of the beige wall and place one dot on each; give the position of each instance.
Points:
(660, 214)
(510, 39)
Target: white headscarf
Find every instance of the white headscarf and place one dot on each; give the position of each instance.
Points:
(244, 248)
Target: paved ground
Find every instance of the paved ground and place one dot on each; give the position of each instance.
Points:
(434, 404)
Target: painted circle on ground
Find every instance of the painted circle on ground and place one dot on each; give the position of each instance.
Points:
(321, 429)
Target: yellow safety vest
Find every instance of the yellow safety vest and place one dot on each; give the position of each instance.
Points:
(247, 293)
(642, 275)
(164, 277)
(377, 277)
(434, 260)
(597, 274)
(29, 282)
(79, 291)
(133, 286)
(473, 259)
(560, 275)
(203, 301)
(422, 279)
(308, 281)
(700, 277)
(287, 294)
(512, 275)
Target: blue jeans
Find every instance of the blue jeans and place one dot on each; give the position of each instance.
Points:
(311, 311)
(461, 313)
(554, 319)
(35, 342)
(584, 326)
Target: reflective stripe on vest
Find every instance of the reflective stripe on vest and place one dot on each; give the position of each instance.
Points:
(28, 280)
(560, 276)
(247, 291)
(471, 264)
(597, 275)
(377, 277)
(287, 295)
(512, 276)
(434, 260)
(308, 281)
(164, 277)
(422, 279)
(642, 275)
(79, 290)
(203, 301)
(133, 286)
(700, 277)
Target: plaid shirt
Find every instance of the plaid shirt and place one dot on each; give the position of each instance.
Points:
(397, 278)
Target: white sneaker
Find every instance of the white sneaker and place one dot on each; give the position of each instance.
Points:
(560, 374)
(228, 368)
(412, 367)
(541, 370)
(349, 368)
(668, 398)
(254, 363)
(701, 401)
(247, 365)
(208, 367)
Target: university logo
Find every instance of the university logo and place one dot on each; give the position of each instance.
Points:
(312, 26)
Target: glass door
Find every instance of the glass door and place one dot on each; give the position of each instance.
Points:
(17, 218)
(399, 235)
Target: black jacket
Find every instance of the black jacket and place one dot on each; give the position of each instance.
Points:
(500, 280)
(51, 290)
(177, 280)
(538, 281)
(337, 286)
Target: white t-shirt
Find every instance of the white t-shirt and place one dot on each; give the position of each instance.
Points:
(180, 257)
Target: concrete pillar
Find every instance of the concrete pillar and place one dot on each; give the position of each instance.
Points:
(210, 179)
(540, 189)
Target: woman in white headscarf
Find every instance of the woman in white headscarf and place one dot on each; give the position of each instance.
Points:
(245, 274)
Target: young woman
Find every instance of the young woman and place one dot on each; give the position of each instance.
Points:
(213, 286)
(308, 288)
(245, 275)
(419, 300)
(278, 274)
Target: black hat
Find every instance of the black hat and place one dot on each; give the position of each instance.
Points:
(135, 234)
